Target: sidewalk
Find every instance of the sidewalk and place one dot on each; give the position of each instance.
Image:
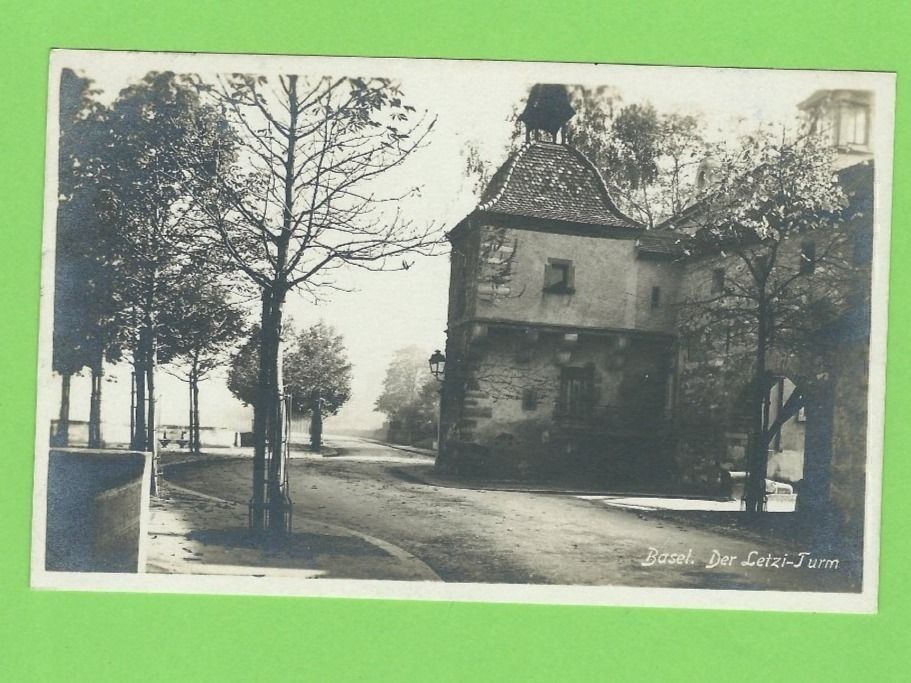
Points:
(775, 503)
(425, 474)
(192, 533)
(430, 453)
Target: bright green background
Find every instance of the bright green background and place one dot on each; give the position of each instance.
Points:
(95, 636)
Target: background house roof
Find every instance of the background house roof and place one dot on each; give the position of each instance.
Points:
(661, 243)
(556, 182)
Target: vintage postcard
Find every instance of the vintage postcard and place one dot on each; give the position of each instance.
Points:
(463, 330)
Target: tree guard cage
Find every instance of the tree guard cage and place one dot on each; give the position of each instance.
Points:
(273, 505)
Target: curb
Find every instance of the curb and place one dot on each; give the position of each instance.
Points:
(390, 548)
(400, 447)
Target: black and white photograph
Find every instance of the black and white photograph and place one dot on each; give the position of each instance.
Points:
(463, 330)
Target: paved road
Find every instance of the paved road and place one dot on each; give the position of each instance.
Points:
(512, 537)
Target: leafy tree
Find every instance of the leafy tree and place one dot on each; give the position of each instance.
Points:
(315, 371)
(156, 130)
(410, 394)
(207, 325)
(243, 369)
(682, 152)
(317, 374)
(629, 146)
(302, 204)
(69, 358)
(771, 220)
(647, 159)
(86, 324)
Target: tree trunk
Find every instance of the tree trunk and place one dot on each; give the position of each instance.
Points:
(151, 408)
(754, 493)
(268, 497)
(260, 407)
(274, 490)
(190, 415)
(316, 423)
(195, 440)
(152, 423)
(62, 435)
(95, 405)
(193, 422)
(138, 438)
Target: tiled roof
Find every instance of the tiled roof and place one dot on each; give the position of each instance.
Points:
(555, 182)
(661, 243)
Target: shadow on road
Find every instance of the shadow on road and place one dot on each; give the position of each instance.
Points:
(192, 533)
(293, 547)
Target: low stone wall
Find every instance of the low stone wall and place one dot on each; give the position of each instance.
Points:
(97, 510)
(114, 435)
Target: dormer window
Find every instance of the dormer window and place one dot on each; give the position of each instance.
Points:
(853, 124)
(842, 118)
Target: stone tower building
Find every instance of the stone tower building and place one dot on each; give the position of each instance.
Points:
(560, 339)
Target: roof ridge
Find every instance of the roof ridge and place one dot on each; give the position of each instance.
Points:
(513, 161)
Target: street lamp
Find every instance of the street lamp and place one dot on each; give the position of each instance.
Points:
(438, 365)
(438, 370)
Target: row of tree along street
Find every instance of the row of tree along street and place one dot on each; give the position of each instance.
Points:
(184, 202)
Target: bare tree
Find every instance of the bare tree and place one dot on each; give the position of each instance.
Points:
(312, 191)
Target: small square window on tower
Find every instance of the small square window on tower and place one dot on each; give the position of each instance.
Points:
(529, 398)
(559, 276)
(807, 258)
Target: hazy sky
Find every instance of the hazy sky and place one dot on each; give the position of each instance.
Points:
(473, 101)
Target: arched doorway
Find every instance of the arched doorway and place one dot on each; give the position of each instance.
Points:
(786, 431)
